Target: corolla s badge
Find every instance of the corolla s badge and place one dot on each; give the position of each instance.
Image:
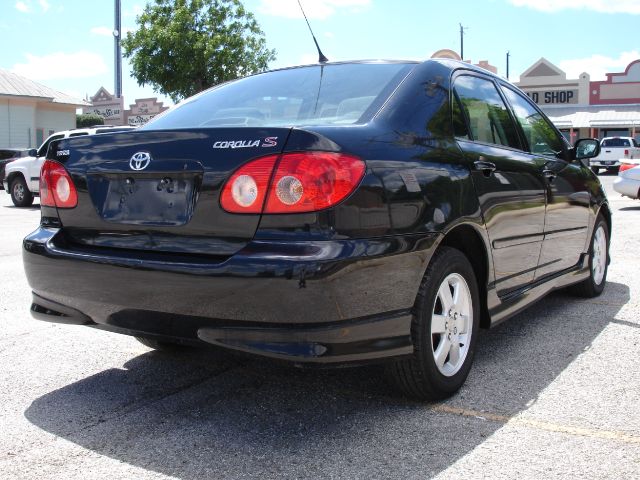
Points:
(140, 160)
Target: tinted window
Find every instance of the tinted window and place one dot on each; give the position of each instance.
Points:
(79, 134)
(485, 111)
(315, 95)
(539, 133)
(616, 142)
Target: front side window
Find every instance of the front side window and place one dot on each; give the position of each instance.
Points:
(539, 133)
(485, 111)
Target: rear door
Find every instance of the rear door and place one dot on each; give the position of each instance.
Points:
(509, 182)
(568, 199)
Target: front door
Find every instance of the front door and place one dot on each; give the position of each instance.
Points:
(568, 200)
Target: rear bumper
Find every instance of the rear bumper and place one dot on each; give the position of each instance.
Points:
(605, 163)
(319, 302)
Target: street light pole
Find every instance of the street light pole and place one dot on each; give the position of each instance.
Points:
(117, 50)
(508, 55)
(461, 42)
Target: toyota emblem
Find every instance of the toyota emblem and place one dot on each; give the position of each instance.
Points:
(140, 160)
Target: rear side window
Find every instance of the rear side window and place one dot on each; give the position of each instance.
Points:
(539, 133)
(616, 142)
(485, 111)
(4, 154)
(316, 95)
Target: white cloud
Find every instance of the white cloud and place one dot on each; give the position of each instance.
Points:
(601, 6)
(598, 65)
(44, 4)
(328, 34)
(23, 7)
(82, 64)
(318, 9)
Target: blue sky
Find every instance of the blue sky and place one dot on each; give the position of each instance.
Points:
(67, 44)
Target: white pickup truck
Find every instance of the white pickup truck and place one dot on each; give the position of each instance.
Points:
(613, 150)
(22, 177)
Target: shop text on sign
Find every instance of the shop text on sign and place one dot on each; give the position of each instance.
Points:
(554, 96)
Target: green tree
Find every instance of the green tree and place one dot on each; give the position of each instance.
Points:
(182, 47)
(88, 120)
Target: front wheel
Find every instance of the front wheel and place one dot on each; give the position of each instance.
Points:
(443, 330)
(20, 194)
(598, 262)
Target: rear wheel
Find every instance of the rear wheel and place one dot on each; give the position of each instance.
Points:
(20, 194)
(443, 330)
(595, 170)
(598, 262)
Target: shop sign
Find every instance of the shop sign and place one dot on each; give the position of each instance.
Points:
(137, 120)
(108, 112)
(552, 97)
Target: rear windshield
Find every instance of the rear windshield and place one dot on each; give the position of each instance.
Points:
(316, 95)
(616, 142)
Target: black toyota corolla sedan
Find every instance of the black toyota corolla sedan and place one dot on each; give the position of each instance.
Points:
(336, 214)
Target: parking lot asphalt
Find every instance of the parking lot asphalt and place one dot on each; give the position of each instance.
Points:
(554, 393)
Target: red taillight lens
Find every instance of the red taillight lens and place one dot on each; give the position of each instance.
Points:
(626, 166)
(307, 182)
(302, 182)
(626, 152)
(56, 187)
(247, 188)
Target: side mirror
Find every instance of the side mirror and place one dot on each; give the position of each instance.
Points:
(33, 152)
(586, 148)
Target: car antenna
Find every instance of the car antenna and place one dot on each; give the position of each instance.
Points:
(321, 57)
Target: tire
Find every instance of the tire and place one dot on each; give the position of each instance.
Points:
(20, 194)
(422, 376)
(598, 262)
(163, 346)
(595, 170)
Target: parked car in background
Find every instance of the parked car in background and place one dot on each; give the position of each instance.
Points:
(612, 151)
(326, 214)
(9, 155)
(22, 176)
(628, 181)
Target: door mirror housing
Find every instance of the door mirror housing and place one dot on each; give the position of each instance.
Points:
(33, 152)
(586, 148)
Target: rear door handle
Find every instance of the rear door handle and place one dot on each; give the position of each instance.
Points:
(549, 175)
(487, 168)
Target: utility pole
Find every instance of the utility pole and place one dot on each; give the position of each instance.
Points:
(117, 51)
(508, 55)
(462, 29)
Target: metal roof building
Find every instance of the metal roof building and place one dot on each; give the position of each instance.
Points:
(30, 111)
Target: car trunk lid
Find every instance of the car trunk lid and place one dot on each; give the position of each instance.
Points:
(160, 190)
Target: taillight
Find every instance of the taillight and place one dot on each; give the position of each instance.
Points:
(626, 166)
(56, 187)
(626, 152)
(302, 182)
(247, 188)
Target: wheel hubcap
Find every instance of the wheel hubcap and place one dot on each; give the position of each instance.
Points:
(451, 324)
(599, 260)
(18, 191)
